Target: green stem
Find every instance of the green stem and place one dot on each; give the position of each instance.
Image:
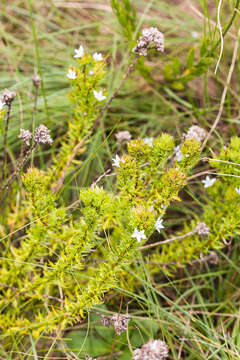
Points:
(37, 56)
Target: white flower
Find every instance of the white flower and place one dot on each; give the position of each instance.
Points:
(208, 181)
(79, 52)
(238, 190)
(97, 56)
(139, 235)
(1, 104)
(159, 225)
(148, 141)
(116, 161)
(98, 95)
(71, 74)
(91, 72)
(178, 155)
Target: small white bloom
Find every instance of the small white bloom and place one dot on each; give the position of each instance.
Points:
(79, 52)
(148, 141)
(179, 155)
(71, 74)
(116, 161)
(208, 181)
(91, 72)
(151, 208)
(99, 95)
(97, 56)
(1, 104)
(159, 225)
(139, 235)
(238, 190)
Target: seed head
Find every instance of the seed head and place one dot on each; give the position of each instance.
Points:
(25, 135)
(195, 132)
(202, 229)
(152, 350)
(213, 258)
(149, 36)
(123, 135)
(8, 96)
(36, 80)
(41, 135)
(106, 321)
(119, 322)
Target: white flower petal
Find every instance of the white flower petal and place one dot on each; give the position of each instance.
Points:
(99, 95)
(71, 74)
(208, 182)
(139, 235)
(116, 161)
(79, 52)
(148, 141)
(97, 56)
(238, 190)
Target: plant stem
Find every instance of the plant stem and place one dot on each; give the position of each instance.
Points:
(5, 142)
(19, 166)
(124, 78)
(33, 117)
(167, 241)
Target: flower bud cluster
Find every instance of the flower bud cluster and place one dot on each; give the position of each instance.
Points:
(36, 80)
(119, 322)
(26, 136)
(41, 135)
(195, 132)
(149, 36)
(202, 229)
(152, 350)
(8, 96)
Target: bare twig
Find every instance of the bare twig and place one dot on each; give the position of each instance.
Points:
(106, 173)
(167, 241)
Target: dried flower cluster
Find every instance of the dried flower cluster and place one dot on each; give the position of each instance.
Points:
(25, 135)
(8, 96)
(122, 136)
(149, 36)
(202, 229)
(41, 135)
(152, 350)
(195, 132)
(119, 322)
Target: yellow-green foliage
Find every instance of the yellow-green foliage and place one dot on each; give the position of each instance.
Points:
(50, 275)
(64, 263)
(221, 213)
(89, 74)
